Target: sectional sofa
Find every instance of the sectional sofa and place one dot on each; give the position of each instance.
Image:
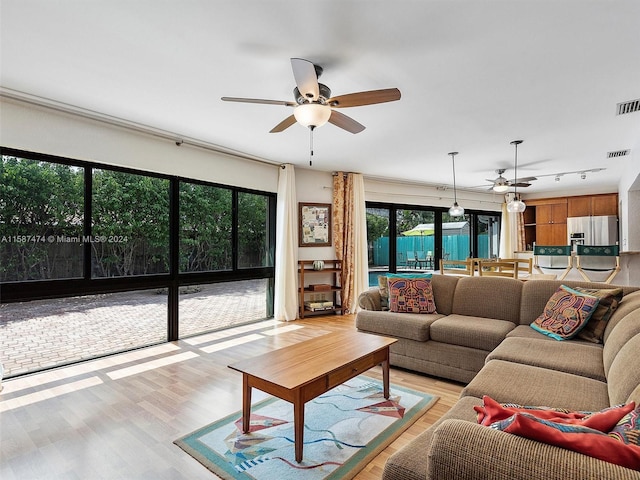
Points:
(481, 336)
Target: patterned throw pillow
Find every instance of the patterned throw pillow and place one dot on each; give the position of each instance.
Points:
(609, 300)
(565, 314)
(411, 295)
(628, 428)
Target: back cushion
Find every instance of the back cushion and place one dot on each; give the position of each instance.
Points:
(625, 329)
(443, 287)
(628, 304)
(624, 375)
(488, 297)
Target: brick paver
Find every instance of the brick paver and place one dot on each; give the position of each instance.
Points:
(45, 333)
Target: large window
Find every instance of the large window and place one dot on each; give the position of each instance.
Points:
(409, 237)
(84, 246)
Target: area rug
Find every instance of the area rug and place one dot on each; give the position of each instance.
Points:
(345, 429)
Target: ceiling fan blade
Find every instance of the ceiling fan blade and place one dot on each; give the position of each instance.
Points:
(365, 98)
(344, 122)
(283, 125)
(258, 100)
(522, 179)
(520, 184)
(306, 79)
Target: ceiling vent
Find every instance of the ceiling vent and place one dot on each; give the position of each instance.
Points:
(618, 153)
(628, 107)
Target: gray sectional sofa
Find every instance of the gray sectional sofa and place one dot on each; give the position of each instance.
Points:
(481, 337)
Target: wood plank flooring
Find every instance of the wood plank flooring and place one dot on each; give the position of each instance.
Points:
(116, 417)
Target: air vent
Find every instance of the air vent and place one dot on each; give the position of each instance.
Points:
(618, 153)
(628, 107)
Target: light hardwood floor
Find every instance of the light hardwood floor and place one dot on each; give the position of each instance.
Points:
(117, 417)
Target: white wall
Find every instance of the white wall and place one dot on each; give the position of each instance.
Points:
(43, 130)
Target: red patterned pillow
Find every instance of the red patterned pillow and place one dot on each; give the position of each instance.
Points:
(411, 295)
(604, 420)
(583, 432)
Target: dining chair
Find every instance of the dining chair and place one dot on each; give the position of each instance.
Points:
(498, 268)
(603, 258)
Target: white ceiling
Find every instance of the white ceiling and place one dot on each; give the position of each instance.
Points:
(474, 75)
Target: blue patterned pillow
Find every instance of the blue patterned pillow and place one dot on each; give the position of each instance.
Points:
(411, 295)
(566, 313)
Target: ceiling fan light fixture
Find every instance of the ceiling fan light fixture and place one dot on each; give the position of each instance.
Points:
(500, 185)
(312, 114)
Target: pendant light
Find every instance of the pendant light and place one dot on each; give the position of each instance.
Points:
(516, 205)
(456, 210)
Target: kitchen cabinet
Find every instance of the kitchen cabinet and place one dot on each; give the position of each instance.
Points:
(551, 221)
(592, 205)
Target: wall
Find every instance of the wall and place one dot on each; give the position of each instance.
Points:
(40, 129)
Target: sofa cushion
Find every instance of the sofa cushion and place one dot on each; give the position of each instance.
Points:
(530, 385)
(565, 314)
(629, 303)
(410, 462)
(370, 300)
(475, 332)
(444, 287)
(609, 298)
(411, 295)
(625, 330)
(399, 325)
(383, 289)
(624, 375)
(488, 297)
(570, 357)
(525, 331)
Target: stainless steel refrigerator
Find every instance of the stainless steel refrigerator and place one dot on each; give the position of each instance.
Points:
(601, 230)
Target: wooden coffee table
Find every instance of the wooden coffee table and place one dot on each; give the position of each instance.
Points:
(299, 373)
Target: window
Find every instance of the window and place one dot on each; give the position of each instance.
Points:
(41, 215)
(254, 249)
(129, 224)
(205, 228)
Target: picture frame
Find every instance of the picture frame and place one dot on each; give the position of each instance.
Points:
(314, 224)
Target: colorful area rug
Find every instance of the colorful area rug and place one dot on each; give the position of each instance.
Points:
(344, 429)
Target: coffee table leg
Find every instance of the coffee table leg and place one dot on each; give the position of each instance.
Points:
(298, 425)
(385, 376)
(246, 403)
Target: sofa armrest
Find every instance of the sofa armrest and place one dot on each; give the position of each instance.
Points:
(370, 300)
(467, 451)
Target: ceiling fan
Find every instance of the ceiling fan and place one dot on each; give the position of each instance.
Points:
(314, 106)
(501, 184)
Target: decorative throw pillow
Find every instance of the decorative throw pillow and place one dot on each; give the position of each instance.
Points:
(383, 288)
(604, 420)
(609, 300)
(565, 314)
(628, 428)
(578, 438)
(411, 295)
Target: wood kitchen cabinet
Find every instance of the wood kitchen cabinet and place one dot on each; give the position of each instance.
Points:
(550, 221)
(592, 205)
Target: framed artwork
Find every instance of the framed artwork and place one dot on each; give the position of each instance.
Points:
(315, 224)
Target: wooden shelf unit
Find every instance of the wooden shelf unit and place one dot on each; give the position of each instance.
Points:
(333, 271)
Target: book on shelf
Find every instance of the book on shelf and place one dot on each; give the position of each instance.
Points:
(316, 306)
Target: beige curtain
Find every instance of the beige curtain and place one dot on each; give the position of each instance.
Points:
(285, 301)
(350, 235)
(511, 233)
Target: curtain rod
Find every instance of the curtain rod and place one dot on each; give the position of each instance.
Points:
(126, 124)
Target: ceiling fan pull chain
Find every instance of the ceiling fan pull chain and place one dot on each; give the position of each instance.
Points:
(311, 127)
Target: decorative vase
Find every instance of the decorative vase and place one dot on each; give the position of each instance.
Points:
(318, 265)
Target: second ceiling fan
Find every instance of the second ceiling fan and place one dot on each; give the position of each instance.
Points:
(314, 106)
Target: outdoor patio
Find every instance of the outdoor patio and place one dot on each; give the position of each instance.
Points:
(46, 333)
